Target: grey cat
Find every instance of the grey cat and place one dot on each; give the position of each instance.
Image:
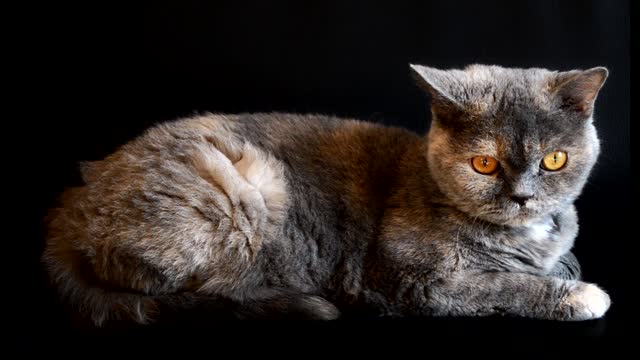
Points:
(317, 216)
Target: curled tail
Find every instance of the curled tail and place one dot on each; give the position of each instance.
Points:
(79, 287)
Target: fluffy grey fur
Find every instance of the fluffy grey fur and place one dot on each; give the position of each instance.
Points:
(281, 213)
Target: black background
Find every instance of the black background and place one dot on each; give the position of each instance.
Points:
(93, 75)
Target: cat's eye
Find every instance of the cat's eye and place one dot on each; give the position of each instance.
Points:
(554, 161)
(485, 164)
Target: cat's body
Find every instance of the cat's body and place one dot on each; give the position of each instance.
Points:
(297, 213)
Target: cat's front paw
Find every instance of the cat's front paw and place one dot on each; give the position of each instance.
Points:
(584, 302)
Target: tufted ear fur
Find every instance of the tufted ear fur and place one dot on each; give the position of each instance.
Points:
(577, 90)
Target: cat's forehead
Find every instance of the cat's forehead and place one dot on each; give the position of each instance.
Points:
(516, 129)
(489, 89)
(511, 104)
(520, 130)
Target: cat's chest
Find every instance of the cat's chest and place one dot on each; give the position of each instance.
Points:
(534, 247)
(540, 231)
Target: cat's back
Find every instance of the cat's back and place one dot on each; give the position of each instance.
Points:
(329, 155)
(322, 152)
(311, 147)
(322, 139)
(284, 131)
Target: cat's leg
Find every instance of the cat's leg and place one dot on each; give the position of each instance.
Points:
(567, 268)
(474, 294)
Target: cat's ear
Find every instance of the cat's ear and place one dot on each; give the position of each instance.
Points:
(437, 83)
(577, 90)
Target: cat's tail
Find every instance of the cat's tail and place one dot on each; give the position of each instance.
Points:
(79, 288)
(263, 304)
(279, 303)
(91, 298)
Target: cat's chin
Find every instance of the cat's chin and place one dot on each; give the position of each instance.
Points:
(514, 217)
(514, 222)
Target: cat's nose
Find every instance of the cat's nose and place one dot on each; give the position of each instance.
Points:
(521, 198)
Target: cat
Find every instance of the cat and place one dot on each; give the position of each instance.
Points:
(311, 216)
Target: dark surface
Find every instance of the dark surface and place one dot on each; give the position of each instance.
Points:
(91, 76)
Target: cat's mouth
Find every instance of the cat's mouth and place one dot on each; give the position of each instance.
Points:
(524, 214)
(513, 214)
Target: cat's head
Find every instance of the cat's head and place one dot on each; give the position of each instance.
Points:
(510, 145)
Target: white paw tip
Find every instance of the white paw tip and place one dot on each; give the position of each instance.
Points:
(594, 301)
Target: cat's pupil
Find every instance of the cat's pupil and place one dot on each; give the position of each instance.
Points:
(555, 157)
(484, 162)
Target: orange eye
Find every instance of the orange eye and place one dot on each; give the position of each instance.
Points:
(554, 161)
(485, 164)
